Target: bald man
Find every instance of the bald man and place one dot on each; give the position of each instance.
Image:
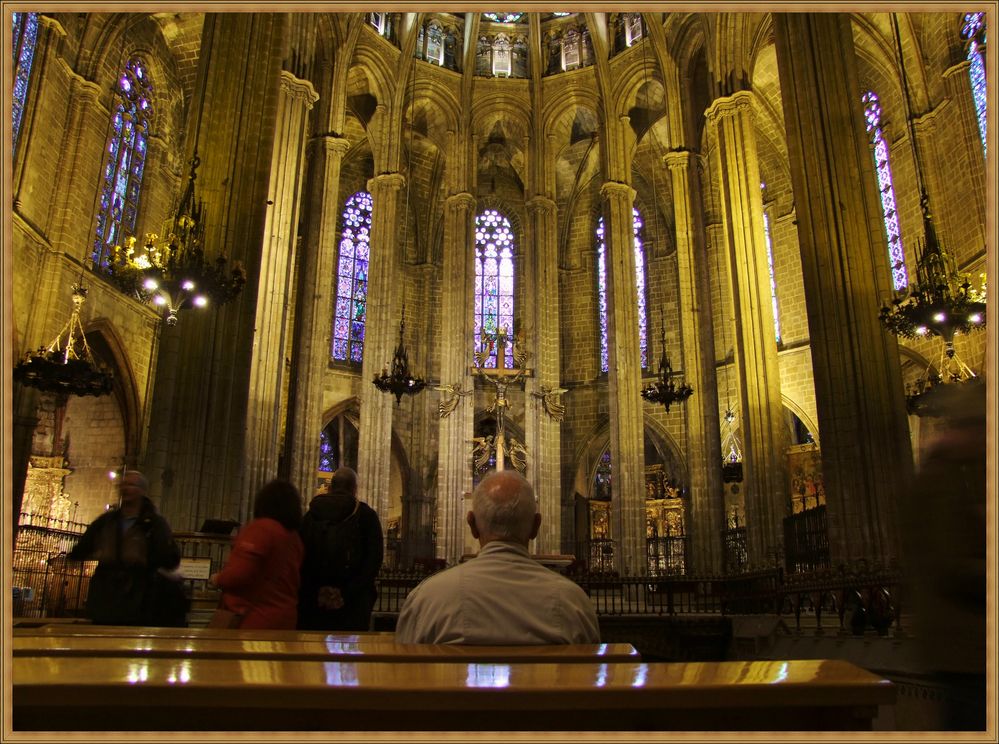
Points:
(502, 596)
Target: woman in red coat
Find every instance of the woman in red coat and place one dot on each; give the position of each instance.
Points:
(261, 578)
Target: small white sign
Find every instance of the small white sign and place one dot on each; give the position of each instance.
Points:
(195, 568)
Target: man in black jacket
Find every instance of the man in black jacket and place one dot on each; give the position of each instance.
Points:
(343, 553)
(135, 552)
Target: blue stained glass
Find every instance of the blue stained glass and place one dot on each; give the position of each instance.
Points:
(125, 157)
(352, 285)
(327, 454)
(25, 38)
(974, 27)
(636, 219)
(882, 167)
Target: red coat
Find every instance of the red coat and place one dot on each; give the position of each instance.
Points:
(261, 578)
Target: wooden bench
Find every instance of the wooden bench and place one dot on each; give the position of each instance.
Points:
(330, 648)
(130, 631)
(104, 693)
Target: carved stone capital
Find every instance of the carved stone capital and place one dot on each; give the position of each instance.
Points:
(732, 105)
(462, 201)
(541, 205)
(677, 159)
(617, 190)
(298, 89)
(386, 182)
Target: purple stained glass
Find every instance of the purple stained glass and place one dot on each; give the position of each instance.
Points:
(327, 453)
(25, 38)
(773, 279)
(125, 159)
(494, 279)
(352, 284)
(882, 167)
(602, 306)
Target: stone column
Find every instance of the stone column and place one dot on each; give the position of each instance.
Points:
(627, 443)
(969, 144)
(275, 293)
(866, 458)
(762, 416)
(381, 331)
(204, 440)
(314, 312)
(698, 346)
(544, 434)
(454, 462)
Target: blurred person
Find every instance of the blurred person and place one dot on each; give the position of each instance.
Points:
(135, 582)
(260, 580)
(945, 544)
(502, 596)
(343, 553)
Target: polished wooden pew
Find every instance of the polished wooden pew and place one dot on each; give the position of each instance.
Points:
(103, 693)
(132, 631)
(344, 647)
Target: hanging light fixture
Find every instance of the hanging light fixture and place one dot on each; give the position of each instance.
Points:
(401, 381)
(664, 390)
(942, 301)
(66, 365)
(173, 272)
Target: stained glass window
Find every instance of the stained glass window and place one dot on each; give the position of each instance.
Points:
(327, 453)
(974, 32)
(124, 160)
(503, 17)
(770, 266)
(632, 27)
(493, 281)
(639, 288)
(602, 477)
(352, 279)
(378, 20)
(25, 38)
(882, 165)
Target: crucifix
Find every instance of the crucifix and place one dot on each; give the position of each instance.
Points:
(501, 377)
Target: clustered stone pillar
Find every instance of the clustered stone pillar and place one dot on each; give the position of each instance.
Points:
(543, 434)
(866, 456)
(627, 443)
(701, 410)
(275, 294)
(381, 328)
(764, 438)
(313, 311)
(204, 441)
(454, 474)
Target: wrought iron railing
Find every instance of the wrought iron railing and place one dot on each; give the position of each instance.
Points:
(806, 541)
(735, 553)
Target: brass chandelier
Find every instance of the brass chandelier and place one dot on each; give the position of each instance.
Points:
(665, 391)
(66, 365)
(401, 381)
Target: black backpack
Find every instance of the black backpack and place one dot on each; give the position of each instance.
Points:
(335, 547)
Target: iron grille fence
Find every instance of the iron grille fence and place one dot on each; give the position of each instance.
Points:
(806, 541)
(734, 545)
(667, 556)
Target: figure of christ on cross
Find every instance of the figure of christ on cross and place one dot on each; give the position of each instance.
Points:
(501, 378)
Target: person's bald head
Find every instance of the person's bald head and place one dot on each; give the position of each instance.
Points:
(504, 508)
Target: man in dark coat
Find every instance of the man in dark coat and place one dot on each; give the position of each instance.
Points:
(343, 553)
(135, 553)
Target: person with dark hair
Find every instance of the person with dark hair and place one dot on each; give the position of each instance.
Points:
(503, 596)
(133, 545)
(260, 579)
(343, 554)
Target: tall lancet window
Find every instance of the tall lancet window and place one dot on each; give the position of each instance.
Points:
(882, 165)
(770, 266)
(124, 160)
(974, 33)
(639, 289)
(493, 281)
(25, 39)
(352, 279)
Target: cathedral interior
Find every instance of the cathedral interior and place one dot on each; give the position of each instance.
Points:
(647, 259)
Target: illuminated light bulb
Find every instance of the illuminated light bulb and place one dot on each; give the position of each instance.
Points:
(975, 318)
(200, 301)
(939, 318)
(188, 285)
(922, 330)
(158, 299)
(150, 284)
